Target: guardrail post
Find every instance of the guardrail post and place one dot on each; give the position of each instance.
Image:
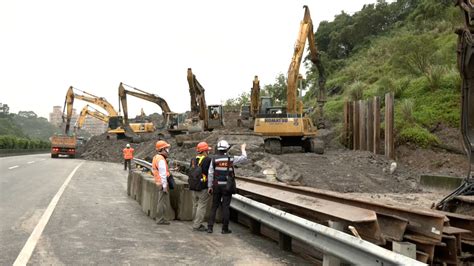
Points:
(284, 241)
(255, 226)
(329, 260)
(405, 248)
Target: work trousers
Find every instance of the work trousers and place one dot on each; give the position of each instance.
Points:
(201, 200)
(163, 199)
(220, 196)
(127, 162)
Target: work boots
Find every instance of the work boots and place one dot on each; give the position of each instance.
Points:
(226, 231)
(209, 229)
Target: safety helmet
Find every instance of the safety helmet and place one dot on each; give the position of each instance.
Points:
(161, 144)
(223, 145)
(203, 146)
(128, 145)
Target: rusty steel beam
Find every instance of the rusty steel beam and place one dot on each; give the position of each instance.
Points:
(421, 221)
(465, 222)
(319, 210)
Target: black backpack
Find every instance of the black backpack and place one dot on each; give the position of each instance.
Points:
(195, 175)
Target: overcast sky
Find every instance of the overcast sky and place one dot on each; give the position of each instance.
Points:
(46, 46)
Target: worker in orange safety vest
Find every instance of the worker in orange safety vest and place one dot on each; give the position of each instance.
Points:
(127, 157)
(161, 174)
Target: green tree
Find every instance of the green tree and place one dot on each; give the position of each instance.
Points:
(242, 99)
(277, 90)
(413, 54)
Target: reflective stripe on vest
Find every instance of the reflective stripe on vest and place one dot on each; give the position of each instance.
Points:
(128, 153)
(156, 172)
(223, 167)
(199, 160)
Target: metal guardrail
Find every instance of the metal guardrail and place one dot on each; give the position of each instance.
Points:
(323, 238)
(142, 163)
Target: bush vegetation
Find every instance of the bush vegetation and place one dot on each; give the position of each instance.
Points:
(407, 47)
(25, 132)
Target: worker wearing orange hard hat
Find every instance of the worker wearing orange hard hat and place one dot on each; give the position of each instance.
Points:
(197, 180)
(162, 176)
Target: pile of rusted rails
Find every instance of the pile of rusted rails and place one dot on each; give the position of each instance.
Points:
(439, 237)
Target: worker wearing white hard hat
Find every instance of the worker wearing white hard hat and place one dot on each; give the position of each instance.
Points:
(221, 183)
(127, 156)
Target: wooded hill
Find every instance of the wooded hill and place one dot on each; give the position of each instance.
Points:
(407, 47)
(25, 131)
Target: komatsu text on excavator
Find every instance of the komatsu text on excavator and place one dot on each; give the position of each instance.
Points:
(291, 127)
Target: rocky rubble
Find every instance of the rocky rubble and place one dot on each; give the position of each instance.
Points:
(337, 170)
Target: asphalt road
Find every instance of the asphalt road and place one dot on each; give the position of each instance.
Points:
(94, 222)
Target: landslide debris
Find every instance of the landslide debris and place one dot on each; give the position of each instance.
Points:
(337, 170)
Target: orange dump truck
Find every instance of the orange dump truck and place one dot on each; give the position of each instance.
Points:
(65, 145)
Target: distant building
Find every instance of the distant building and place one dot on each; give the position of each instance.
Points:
(27, 114)
(56, 117)
(91, 125)
(94, 126)
(4, 109)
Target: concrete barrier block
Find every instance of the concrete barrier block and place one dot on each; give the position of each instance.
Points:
(133, 184)
(440, 182)
(129, 182)
(182, 201)
(170, 213)
(138, 188)
(148, 185)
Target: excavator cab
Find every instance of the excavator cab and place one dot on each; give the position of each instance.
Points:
(266, 102)
(245, 112)
(115, 122)
(176, 123)
(216, 116)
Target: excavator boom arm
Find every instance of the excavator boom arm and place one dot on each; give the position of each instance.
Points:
(198, 98)
(254, 97)
(99, 101)
(305, 32)
(465, 59)
(96, 114)
(144, 96)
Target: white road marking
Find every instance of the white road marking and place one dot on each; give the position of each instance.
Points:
(30, 244)
(31, 162)
(13, 167)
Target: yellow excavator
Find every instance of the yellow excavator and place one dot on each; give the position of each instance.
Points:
(291, 127)
(87, 112)
(172, 121)
(205, 117)
(115, 120)
(248, 113)
(115, 123)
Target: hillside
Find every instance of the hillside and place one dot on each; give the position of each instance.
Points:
(407, 47)
(25, 130)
